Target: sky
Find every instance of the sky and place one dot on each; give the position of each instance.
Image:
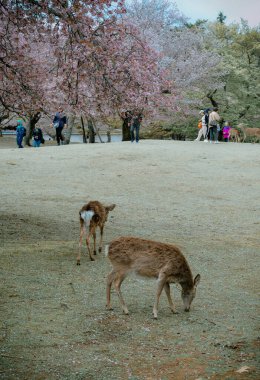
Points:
(233, 9)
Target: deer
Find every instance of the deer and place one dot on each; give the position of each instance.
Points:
(148, 258)
(92, 215)
(250, 132)
(234, 135)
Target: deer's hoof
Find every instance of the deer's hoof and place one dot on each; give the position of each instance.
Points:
(99, 249)
(95, 252)
(92, 259)
(78, 262)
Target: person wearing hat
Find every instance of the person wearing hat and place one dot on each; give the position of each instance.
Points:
(20, 133)
(202, 127)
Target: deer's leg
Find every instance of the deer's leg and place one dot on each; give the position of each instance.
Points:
(110, 279)
(94, 239)
(120, 278)
(168, 294)
(161, 283)
(89, 248)
(80, 244)
(101, 238)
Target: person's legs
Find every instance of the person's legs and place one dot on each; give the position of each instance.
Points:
(216, 133)
(211, 134)
(19, 141)
(58, 135)
(199, 135)
(137, 133)
(207, 132)
(204, 132)
(36, 143)
(61, 136)
(132, 133)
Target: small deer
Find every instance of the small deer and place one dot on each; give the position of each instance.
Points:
(92, 215)
(234, 135)
(149, 258)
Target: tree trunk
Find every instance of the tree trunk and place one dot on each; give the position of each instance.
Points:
(125, 131)
(91, 131)
(83, 129)
(33, 120)
(210, 97)
(96, 130)
(68, 131)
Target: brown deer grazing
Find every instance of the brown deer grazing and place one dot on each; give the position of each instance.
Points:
(234, 135)
(149, 258)
(91, 216)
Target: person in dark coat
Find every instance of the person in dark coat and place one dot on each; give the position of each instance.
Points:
(37, 137)
(135, 126)
(59, 122)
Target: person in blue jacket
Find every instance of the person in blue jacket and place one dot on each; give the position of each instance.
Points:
(59, 122)
(20, 133)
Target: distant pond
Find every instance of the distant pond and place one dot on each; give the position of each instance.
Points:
(79, 138)
(75, 138)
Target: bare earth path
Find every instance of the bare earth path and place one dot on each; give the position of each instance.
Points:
(54, 325)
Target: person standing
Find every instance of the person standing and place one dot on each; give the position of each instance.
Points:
(135, 126)
(59, 122)
(37, 137)
(20, 133)
(202, 127)
(226, 131)
(214, 118)
(206, 113)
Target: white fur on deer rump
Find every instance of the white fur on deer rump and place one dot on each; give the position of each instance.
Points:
(86, 216)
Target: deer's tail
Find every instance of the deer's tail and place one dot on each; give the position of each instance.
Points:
(86, 216)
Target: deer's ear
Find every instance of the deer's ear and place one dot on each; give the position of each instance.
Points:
(111, 207)
(197, 280)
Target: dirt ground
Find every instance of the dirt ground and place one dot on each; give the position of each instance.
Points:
(203, 197)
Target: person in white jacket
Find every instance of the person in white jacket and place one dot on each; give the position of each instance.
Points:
(203, 129)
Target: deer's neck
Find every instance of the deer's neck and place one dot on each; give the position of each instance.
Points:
(186, 281)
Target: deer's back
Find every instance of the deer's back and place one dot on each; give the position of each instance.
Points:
(146, 257)
(97, 208)
(252, 131)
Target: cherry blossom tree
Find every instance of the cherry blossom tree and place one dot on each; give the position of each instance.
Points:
(186, 53)
(96, 62)
(24, 67)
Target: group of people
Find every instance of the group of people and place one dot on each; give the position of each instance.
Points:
(209, 127)
(59, 122)
(37, 135)
(133, 121)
